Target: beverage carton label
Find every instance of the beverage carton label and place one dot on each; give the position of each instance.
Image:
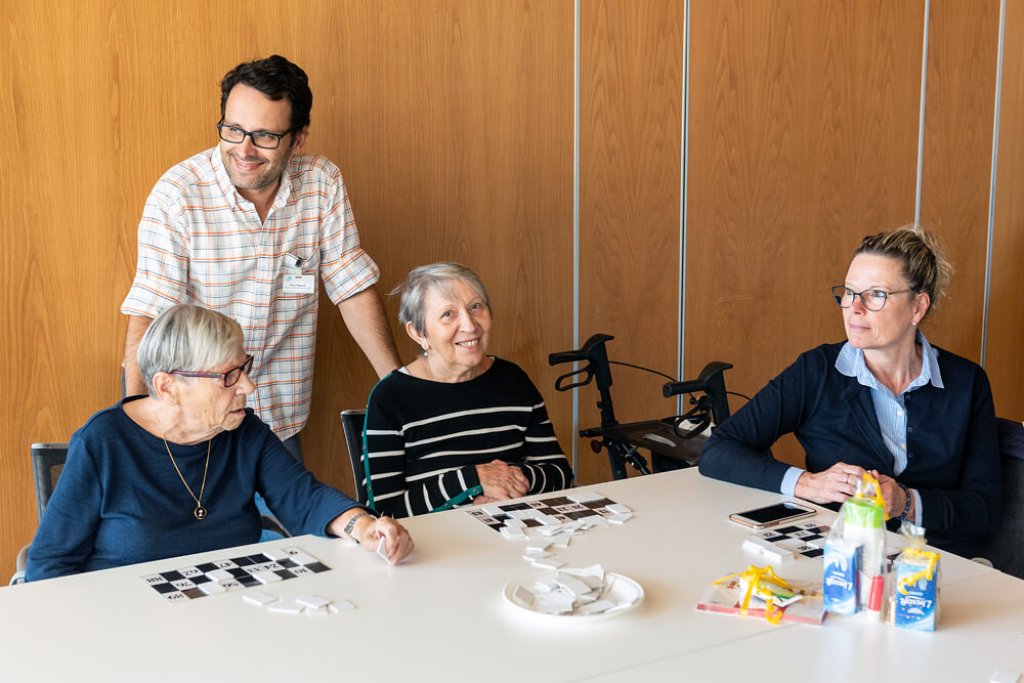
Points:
(916, 606)
(841, 579)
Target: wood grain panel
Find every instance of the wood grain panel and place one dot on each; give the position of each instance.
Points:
(63, 259)
(631, 59)
(1006, 306)
(452, 121)
(802, 139)
(963, 40)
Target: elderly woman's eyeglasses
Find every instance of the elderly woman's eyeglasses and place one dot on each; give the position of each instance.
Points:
(230, 377)
(873, 299)
(264, 139)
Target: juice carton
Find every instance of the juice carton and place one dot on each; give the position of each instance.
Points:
(915, 600)
(842, 575)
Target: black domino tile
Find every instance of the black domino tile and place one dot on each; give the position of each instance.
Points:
(287, 562)
(817, 552)
(787, 530)
(317, 567)
(242, 561)
(164, 588)
(206, 567)
(172, 575)
(260, 558)
(202, 578)
(284, 574)
(248, 580)
(238, 572)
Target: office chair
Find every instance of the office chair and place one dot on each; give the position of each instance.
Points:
(47, 464)
(1005, 548)
(352, 422)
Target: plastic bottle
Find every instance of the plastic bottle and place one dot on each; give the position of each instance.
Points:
(864, 525)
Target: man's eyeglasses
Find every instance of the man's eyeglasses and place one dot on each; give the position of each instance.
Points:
(264, 139)
(873, 299)
(230, 377)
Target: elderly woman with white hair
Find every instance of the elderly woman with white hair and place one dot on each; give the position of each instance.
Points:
(174, 472)
(455, 426)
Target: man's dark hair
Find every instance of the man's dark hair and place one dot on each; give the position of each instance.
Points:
(277, 78)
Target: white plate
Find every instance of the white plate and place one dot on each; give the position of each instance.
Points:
(617, 588)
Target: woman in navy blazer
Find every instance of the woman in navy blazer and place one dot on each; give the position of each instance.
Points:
(885, 401)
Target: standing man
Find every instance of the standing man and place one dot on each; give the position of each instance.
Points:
(244, 228)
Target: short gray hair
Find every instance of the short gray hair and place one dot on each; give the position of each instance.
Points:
(187, 337)
(433, 277)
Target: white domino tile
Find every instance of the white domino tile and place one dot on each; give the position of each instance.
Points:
(220, 575)
(314, 601)
(285, 607)
(259, 598)
(266, 577)
(584, 496)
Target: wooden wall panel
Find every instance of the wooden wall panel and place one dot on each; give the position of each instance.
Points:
(451, 119)
(631, 60)
(803, 128)
(1006, 312)
(963, 39)
(453, 122)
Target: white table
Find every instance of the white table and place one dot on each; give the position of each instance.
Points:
(441, 616)
(981, 631)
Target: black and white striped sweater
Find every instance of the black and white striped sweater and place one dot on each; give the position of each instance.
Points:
(422, 439)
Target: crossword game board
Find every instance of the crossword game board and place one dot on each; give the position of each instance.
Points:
(222, 576)
(806, 539)
(550, 511)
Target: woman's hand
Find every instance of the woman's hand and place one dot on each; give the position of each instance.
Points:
(483, 500)
(369, 530)
(501, 481)
(893, 494)
(834, 485)
(397, 543)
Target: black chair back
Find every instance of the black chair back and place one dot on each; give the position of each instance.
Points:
(1005, 548)
(47, 463)
(352, 424)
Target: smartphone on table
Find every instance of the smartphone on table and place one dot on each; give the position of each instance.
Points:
(772, 515)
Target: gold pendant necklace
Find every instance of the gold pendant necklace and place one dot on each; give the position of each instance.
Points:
(200, 512)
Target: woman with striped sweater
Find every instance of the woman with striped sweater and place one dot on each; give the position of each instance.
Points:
(455, 426)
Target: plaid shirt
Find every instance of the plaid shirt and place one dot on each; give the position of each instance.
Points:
(201, 242)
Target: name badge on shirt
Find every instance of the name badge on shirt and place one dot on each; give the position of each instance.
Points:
(297, 283)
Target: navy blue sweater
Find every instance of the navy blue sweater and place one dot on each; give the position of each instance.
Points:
(119, 500)
(952, 451)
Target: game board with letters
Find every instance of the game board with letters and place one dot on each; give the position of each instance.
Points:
(235, 573)
(547, 512)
